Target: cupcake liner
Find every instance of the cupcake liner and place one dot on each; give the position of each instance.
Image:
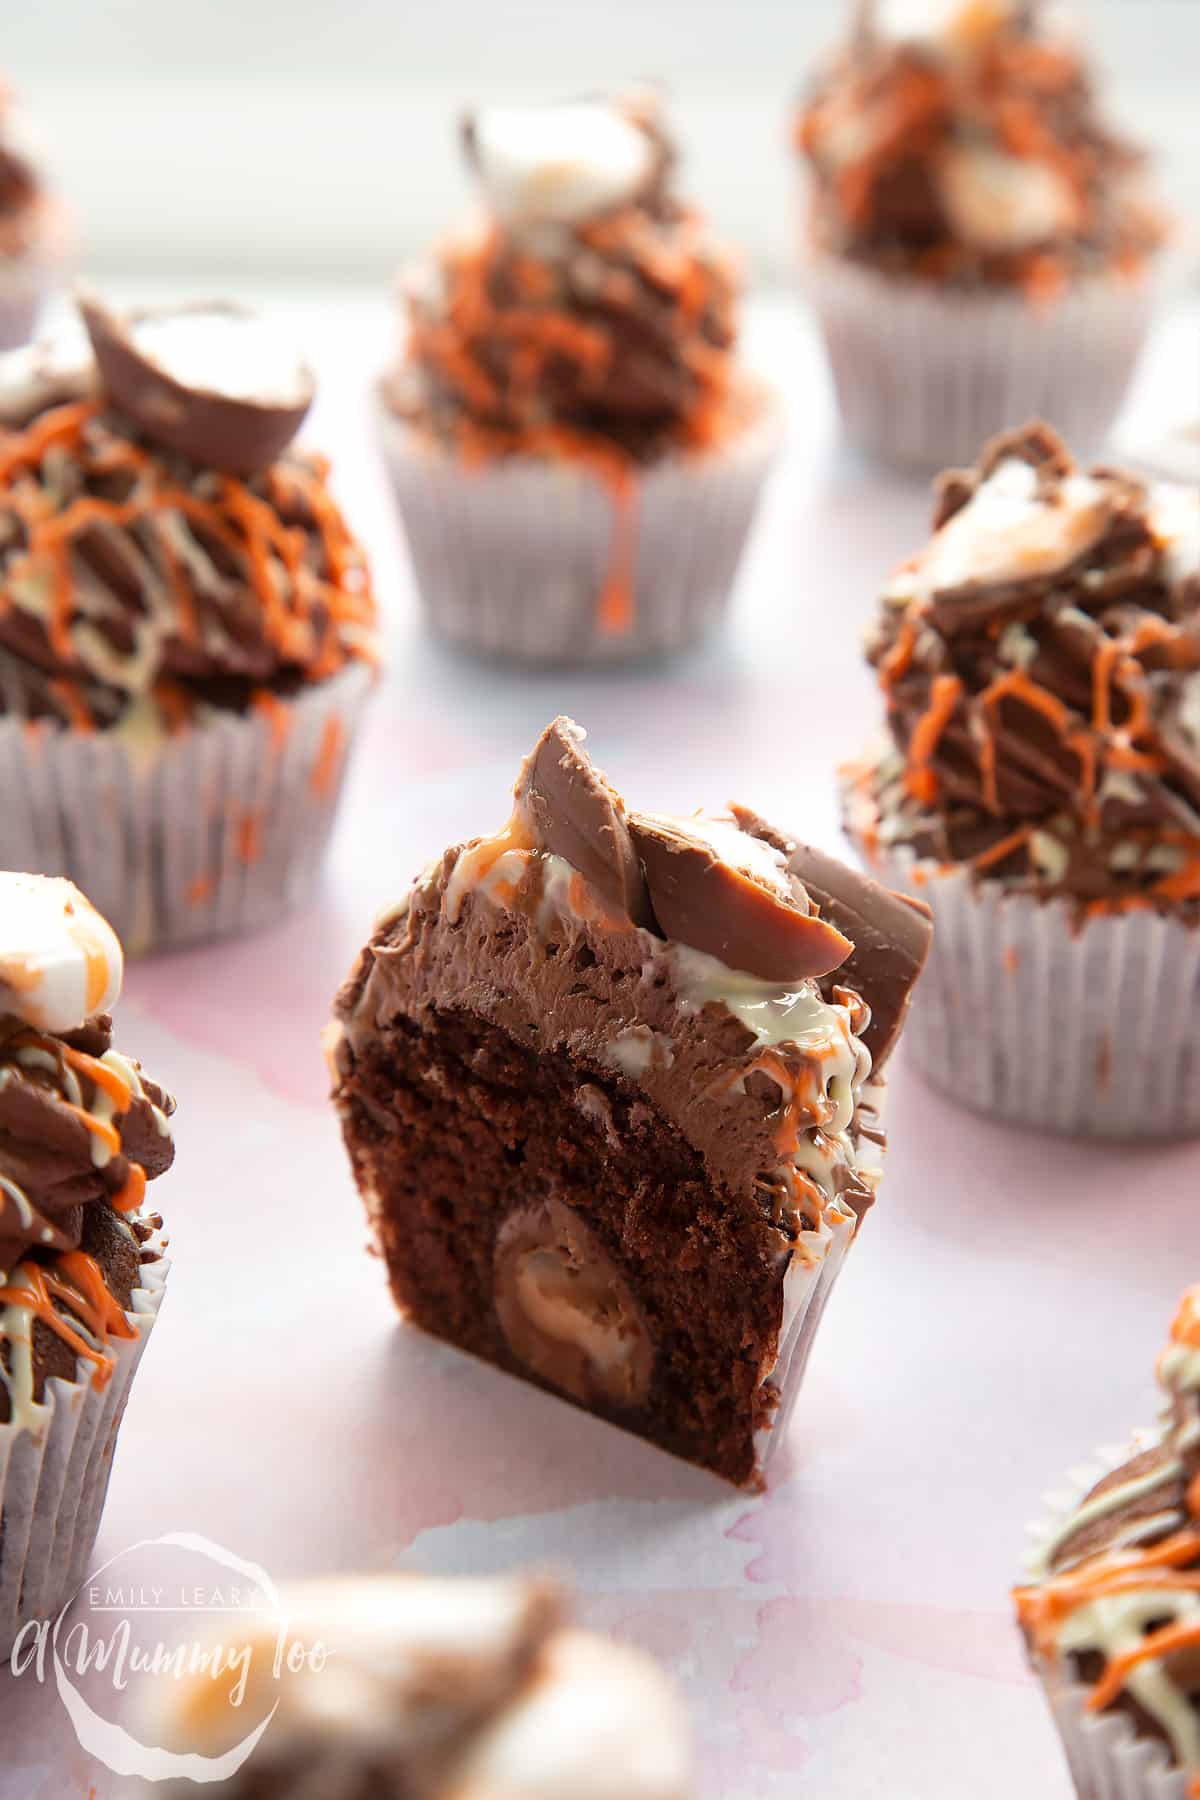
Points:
(54, 1478)
(806, 1291)
(512, 558)
(1025, 1013)
(216, 830)
(925, 377)
(1106, 1757)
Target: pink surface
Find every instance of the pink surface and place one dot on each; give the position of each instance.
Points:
(847, 1634)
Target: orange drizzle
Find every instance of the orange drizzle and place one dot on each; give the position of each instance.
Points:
(87, 1295)
(98, 1127)
(111, 1081)
(329, 757)
(1156, 1643)
(615, 616)
(920, 779)
(133, 1193)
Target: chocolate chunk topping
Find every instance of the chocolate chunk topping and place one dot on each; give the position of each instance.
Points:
(890, 933)
(575, 814)
(742, 913)
(154, 366)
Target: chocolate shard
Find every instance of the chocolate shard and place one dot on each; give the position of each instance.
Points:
(712, 890)
(890, 932)
(207, 380)
(574, 813)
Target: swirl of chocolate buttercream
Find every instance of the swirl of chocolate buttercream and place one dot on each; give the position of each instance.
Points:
(76, 1121)
(612, 330)
(1041, 667)
(130, 571)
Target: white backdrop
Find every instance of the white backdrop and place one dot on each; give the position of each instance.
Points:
(305, 136)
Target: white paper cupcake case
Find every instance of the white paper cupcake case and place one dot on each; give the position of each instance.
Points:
(155, 833)
(1020, 1013)
(924, 377)
(511, 558)
(53, 1480)
(1107, 1759)
(806, 1291)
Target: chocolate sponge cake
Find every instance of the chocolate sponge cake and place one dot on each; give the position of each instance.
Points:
(609, 1084)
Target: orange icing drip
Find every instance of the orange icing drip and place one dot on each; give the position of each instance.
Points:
(1185, 1326)
(111, 1081)
(1156, 1643)
(133, 1193)
(329, 757)
(85, 1292)
(920, 779)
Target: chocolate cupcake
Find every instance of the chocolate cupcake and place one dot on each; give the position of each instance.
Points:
(33, 232)
(979, 240)
(82, 1130)
(452, 1689)
(1111, 1613)
(1040, 665)
(576, 453)
(186, 629)
(610, 1084)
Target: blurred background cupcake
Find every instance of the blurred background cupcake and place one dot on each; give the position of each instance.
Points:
(575, 451)
(186, 638)
(980, 242)
(33, 230)
(1111, 1613)
(1040, 666)
(82, 1130)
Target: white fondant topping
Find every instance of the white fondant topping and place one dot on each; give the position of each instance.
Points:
(218, 352)
(1007, 532)
(1003, 202)
(1175, 523)
(600, 1722)
(944, 24)
(60, 962)
(559, 164)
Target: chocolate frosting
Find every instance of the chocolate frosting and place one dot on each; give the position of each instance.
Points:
(49, 1173)
(1041, 668)
(976, 155)
(612, 332)
(131, 572)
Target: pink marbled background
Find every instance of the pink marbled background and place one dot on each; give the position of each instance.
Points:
(846, 1635)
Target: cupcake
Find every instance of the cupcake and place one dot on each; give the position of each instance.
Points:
(1111, 1613)
(82, 1130)
(576, 453)
(33, 232)
(610, 1083)
(979, 240)
(186, 624)
(428, 1689)
(1040, 666)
